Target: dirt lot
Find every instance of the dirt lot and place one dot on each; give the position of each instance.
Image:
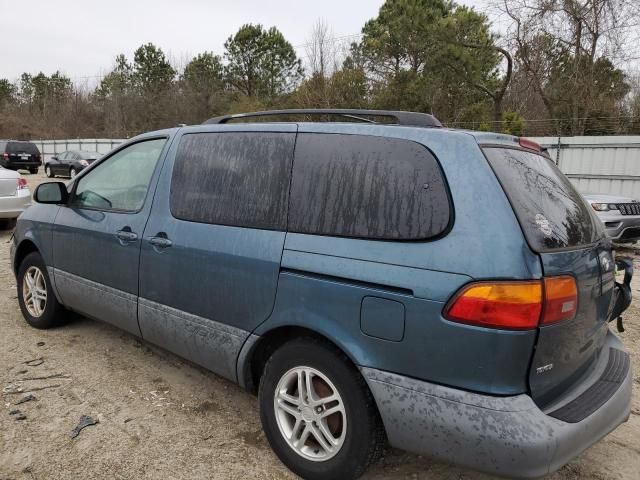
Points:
(161, 417)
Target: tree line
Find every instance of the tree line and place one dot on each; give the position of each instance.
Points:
(556, 70)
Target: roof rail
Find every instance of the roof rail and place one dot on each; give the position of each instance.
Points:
(413, 119)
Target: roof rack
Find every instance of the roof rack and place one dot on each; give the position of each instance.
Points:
(413, 119)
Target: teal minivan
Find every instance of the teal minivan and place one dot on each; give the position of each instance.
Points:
(373, 278)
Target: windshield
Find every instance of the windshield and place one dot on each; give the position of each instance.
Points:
(551, 212)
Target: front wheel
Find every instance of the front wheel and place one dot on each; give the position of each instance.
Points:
(47, 171)
(73, 172)
(38, 303)
(318, 413)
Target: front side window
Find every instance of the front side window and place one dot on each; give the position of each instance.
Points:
(120, 182)
(367, 187)
(233, 178)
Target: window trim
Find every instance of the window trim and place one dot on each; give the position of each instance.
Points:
(447, 190)
(88, 170)
(252, 132)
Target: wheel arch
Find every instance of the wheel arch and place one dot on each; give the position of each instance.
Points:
(25, 247)
(257, 350)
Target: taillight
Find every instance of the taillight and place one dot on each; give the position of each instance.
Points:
(517, 305)
(560, 299)
(5, 156)
(506, 305)
(22, 183)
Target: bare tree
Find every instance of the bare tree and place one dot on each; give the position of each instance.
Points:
(320, 50)
(579, 43)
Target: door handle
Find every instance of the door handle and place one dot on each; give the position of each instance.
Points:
(126, 235)
(160, 241)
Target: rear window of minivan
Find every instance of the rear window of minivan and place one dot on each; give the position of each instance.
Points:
(22, 147)
(552, 214)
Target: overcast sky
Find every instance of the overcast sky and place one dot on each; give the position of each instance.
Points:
(82, 37)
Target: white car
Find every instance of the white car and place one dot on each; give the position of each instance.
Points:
(15, 196)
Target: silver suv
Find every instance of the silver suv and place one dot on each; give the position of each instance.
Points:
(620, 215)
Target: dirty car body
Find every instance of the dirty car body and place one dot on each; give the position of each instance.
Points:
(620, 215)
(235, 241)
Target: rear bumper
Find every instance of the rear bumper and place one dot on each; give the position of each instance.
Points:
(13, 206)
(19, 165)
(507, 436)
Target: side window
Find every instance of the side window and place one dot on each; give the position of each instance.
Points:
(367, 187)
(240, 179)
(63, 156)
(121, 181)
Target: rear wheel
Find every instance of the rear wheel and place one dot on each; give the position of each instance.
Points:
(47, 171)
(39, 305)
(318, 413)
(33, 170)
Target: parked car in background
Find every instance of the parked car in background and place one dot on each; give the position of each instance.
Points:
(69, 163)
(352, 276)
(16, 154)
(15, 197)
(620, 216)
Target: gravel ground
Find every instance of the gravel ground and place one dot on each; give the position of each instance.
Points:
(161, 417)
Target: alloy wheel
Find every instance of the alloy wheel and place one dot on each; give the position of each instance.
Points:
(34, 291)
(310, 413)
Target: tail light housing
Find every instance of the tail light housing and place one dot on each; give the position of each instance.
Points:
(515, 305)
(5, 156)
(22, 183)
(560, 299)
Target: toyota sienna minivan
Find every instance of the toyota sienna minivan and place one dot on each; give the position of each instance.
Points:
(373, 278)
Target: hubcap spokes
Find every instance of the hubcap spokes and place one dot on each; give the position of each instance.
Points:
(310, 413)
(34, 291)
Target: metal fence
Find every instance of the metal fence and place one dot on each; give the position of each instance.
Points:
(594, 164)
(598, 164)
(49, 148)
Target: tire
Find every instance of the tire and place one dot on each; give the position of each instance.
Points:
(357, 428)
(52, 312)
(7, 223)
(47, 171)
(72, 172)
(33, 171)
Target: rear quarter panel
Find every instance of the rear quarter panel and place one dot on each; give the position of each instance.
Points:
(324, 278)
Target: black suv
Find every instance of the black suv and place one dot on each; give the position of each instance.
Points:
(15, 154)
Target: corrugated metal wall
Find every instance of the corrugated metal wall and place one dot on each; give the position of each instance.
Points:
(594, 164)
(49, 148)
(598, 164)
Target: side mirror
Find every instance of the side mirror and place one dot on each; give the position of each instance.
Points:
(54, 157)
(51, 193)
